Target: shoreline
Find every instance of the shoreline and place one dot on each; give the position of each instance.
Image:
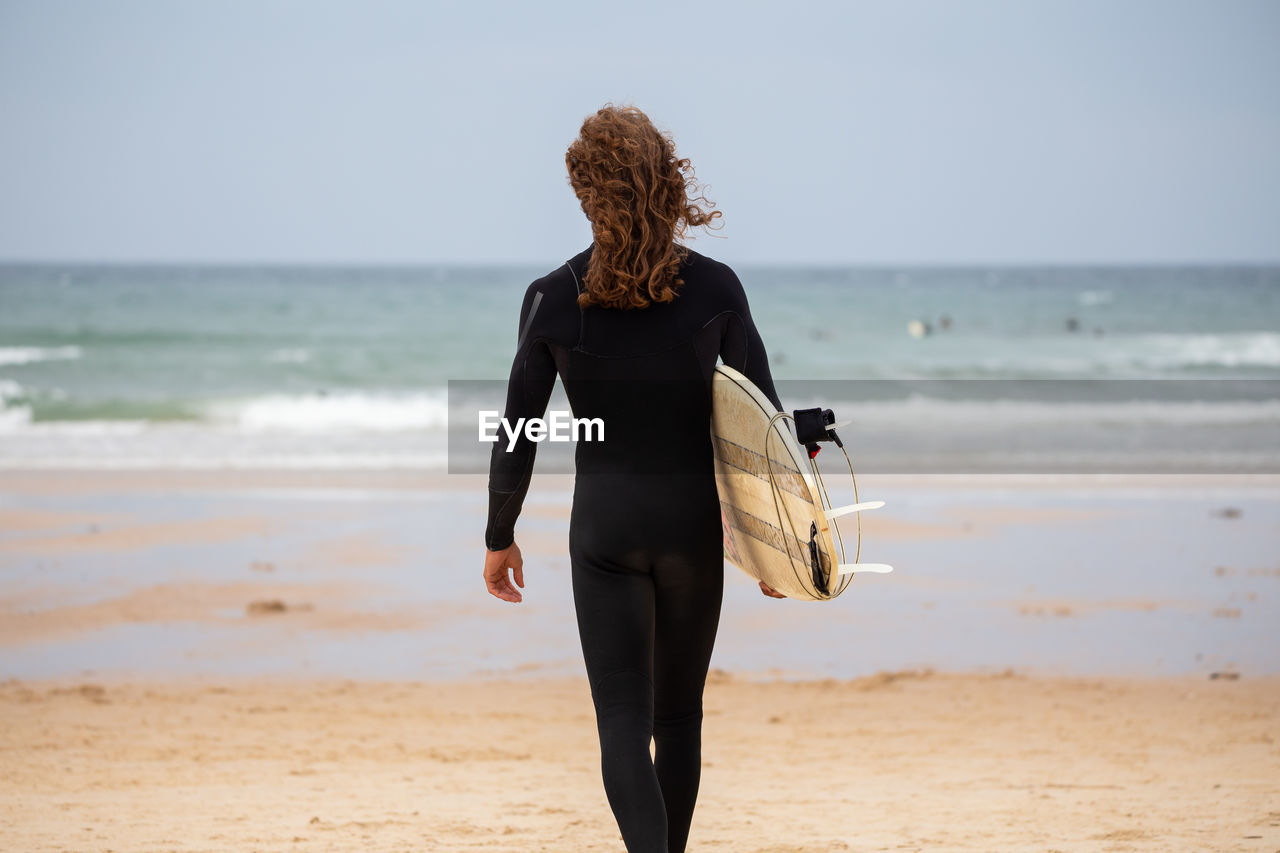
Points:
(147, 478)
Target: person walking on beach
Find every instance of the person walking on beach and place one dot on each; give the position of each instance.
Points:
(634, 325)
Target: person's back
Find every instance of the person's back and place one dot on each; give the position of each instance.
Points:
(646, 375)
(633, 326)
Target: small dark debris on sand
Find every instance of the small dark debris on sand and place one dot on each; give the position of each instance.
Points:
(264, 606)
(1228, 512)
(1224, 676)
(268, 606)
(95, 693)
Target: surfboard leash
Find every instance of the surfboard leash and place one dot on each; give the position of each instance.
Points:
(788, 530)
(812, 426)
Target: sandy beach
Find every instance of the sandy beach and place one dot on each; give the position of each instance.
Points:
(906, 761)
(302, 660)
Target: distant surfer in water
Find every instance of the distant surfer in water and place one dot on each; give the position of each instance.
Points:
(634, 325)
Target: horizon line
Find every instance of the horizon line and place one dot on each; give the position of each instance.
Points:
(549, 265)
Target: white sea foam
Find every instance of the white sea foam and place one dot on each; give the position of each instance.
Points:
(27, 355)
(953, 430)
(141, 444)
(84, 429)
(356, 411)
(1122, 354)
(430, 461)
(1095, 297)
(1240, 349)
(12, 417)
(921, 413)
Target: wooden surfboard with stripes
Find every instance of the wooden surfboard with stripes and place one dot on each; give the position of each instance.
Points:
(775, 532)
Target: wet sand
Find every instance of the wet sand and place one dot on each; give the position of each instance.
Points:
(375, 574)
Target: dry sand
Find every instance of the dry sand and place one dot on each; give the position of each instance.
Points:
(910, 761)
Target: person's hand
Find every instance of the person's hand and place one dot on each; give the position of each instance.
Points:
(495, 573)
(770, 591)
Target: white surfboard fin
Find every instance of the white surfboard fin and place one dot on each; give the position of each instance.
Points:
(838, 425)
(849, 509)
(861, 568)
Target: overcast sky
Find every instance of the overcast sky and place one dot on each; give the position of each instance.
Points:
(834, 132)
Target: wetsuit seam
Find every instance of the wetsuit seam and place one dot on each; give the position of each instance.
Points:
(639, 672)
(676, 719)
(746, 350)
(725, 312)
(582, 315)
(502, 509)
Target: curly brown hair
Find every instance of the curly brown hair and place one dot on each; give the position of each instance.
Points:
(639, 197)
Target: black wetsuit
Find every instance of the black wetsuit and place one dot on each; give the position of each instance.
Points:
(645, 539)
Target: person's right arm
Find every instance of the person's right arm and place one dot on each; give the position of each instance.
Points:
(533, 375)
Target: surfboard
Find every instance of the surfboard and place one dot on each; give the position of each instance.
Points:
(777, 528)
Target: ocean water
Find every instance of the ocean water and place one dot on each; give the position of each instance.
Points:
(211, 367)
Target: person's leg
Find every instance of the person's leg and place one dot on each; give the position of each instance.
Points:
(687, 606)
(615, 624)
